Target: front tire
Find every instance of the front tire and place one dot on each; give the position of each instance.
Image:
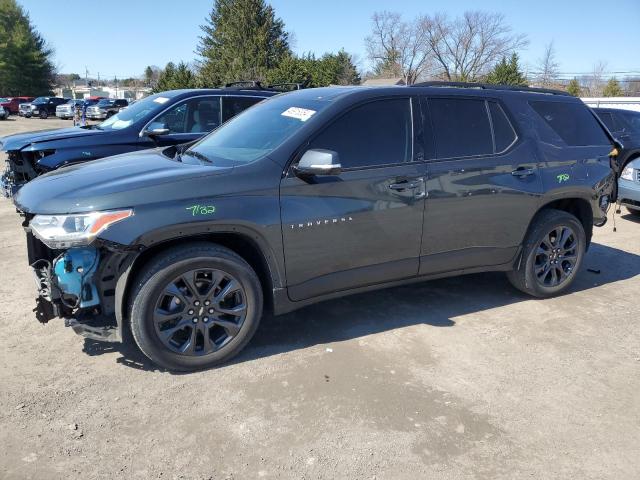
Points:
(44, 115)
(552, 254)
(195, 307)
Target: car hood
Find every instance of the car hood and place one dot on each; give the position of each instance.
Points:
(122, 181)
(21, 140)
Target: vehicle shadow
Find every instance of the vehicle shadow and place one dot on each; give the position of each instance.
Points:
(433, 303)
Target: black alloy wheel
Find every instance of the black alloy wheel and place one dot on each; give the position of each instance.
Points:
(200, 311)
(556, 257)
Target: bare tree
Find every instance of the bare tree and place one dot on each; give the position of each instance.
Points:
(397, 47)
(548, 67)
(596, 79)
(467, 47)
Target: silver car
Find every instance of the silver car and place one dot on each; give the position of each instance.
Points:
(3, 113)
(629, 187)
(68, 110)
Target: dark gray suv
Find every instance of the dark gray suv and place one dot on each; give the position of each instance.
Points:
(313, 195)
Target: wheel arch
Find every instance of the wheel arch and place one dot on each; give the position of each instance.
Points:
(240, 243)
(576, 206)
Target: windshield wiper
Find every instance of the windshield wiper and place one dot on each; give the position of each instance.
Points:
(198, 155)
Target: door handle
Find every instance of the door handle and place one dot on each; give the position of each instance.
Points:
(523, 172)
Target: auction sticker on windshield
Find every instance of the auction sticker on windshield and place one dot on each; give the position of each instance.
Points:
(302, 114)
(161, 100)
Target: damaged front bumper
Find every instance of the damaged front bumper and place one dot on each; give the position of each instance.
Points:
(78, 285)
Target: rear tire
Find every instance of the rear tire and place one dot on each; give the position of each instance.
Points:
(551, 256)
(178, 318)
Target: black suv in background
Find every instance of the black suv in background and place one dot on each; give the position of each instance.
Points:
(43, 107)
(313, 195)
(625, 126)
(164, 119)
(106, 108)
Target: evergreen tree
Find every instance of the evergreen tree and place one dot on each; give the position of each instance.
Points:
(330, 69)
(243, 40)
(507, 72)
(174, 77)
(574, 88)
(612, 89)
(25, 59)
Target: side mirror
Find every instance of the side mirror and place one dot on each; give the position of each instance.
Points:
(318, 162)
(156, 129)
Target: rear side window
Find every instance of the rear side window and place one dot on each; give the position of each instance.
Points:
(461, 127)
(231, 106)
(377, 133)
(572, 122)
(502, 130)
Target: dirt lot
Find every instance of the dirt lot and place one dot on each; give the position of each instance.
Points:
(457, 379)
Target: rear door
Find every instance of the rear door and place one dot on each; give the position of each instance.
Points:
(483, 185)
(363, 226)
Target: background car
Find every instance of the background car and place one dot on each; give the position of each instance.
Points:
(12, 104)
(24, 110)
(165, 119)
(3, 113)
(625, 126)
(46, 106)
(67, 110)
(106, 108)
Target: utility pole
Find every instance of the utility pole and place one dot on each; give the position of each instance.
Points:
(115, 80)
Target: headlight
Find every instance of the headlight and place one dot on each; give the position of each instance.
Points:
(66, 231)
(32, 107)
(627, 173)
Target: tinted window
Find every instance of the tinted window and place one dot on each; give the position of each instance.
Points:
(631, 120)
(572, 122)
(607, 119)
(198, 115)
(231, 106)
(376, 133)
(461, 127)
(502, 130)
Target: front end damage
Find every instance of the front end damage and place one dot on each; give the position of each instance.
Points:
(78, 285)
(20, 168)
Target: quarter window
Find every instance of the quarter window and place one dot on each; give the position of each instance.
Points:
(572, 122)
(502, 130)
(461, 127)
(377, 133)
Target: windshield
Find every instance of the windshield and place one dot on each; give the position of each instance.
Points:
(104, 102)
(4, 100)
(257, 131)
(134, 113)
(41, 100)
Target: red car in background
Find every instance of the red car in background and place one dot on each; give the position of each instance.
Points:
(11, 104)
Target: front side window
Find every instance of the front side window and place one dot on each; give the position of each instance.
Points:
(373, 134)
(631, 120)
(198, 115)
(572, 122)
(461, 127)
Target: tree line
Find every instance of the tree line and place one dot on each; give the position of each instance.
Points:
(246, 40)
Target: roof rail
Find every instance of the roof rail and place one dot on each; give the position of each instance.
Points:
(257, 85)
(490, 86)
(295, 86)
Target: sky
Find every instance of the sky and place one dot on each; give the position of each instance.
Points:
(121, 37)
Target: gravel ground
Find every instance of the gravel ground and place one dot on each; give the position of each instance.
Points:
(462, 378)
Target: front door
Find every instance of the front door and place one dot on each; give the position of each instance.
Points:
(186, 121)
(483, 186)
(363, 226)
